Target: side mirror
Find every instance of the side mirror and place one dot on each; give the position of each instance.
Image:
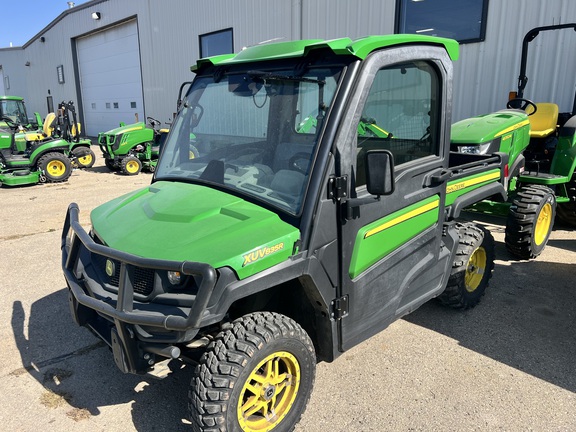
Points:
(379, 172)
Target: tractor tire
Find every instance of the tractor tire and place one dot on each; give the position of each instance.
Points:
(530, 221)
(472, 267)
(111, 165)
(131, 165)
(56, 167)
(84, 157)
(256, 375)
(567, 211)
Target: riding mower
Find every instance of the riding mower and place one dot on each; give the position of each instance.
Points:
(131, 148)
(47, 155)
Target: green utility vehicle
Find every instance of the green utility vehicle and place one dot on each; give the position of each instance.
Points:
(130, 148)
(44, 156)
(278, 247)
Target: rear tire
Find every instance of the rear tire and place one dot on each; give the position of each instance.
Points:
(55, 166)
(530, 221)
(472, 267)
(131, 165)
(257, 375)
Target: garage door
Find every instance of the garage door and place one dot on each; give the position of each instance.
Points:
(110, 78)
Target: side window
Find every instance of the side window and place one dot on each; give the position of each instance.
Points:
(401, 115)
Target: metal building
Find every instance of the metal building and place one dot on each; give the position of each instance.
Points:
(121, 60)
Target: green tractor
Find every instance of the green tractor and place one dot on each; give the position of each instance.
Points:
(46, 155)
(541, 142)
(131, 148)
(531, 207)
(13, 114)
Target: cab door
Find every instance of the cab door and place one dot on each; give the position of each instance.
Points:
(392, 253)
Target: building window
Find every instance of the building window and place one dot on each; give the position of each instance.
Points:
(216, 43)
(464, 20)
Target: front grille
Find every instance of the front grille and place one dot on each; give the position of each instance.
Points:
(143, 282)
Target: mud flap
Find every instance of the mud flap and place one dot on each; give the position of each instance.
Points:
(118, 351)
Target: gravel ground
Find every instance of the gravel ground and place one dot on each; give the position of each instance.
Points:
(506, 365)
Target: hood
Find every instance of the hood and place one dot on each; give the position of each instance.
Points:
(126, 128)
(179, 221)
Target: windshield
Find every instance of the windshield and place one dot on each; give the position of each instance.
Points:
(13, 111)
(254, 132)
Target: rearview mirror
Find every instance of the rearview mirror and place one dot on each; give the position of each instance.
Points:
(379, 172)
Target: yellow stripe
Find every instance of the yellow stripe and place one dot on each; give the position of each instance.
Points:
(402, 218)
(512, 128)
(467, 183)
(132, 129)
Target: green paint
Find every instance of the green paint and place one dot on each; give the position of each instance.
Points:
(511, 128)
(398, 228)
(359, 48)
(195, 223)
(457, 188)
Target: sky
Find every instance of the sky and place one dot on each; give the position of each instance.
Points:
(22, 19)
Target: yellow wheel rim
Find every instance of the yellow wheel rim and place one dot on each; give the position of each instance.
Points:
(85, 160)
(475, 269)
(269, 392)
(56, 168)
(132, 167)
(543, 224)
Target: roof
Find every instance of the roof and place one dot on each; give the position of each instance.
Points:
(359, 48)
(14, 98)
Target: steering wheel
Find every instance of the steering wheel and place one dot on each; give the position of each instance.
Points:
(299, 162)
(11, 123)
(153, 122)
(520, 103)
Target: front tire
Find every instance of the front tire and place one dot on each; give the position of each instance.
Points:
(131, 165)
(530, 221)
(472, 267)
(84, 157)
(256, 376)
(55, 166)
(111, 165)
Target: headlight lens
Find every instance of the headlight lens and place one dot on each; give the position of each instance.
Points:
(475, 149)
(174, 277)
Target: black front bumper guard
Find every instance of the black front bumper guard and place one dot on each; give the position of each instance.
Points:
(127, 351)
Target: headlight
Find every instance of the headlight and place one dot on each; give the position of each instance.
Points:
(475, 149)
(174, 277)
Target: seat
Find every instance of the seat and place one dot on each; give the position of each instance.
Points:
(544, 121)
(75, 130)
(47, 129)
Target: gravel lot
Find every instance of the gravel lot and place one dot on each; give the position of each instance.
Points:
(506, 365)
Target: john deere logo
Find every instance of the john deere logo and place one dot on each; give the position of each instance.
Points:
(110, 268)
